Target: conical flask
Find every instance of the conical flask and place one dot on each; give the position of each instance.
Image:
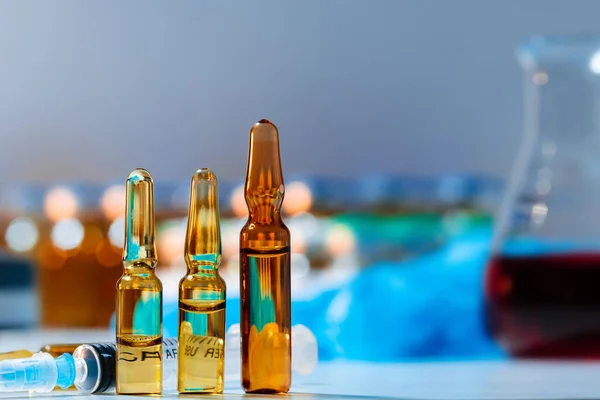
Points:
(543, 279)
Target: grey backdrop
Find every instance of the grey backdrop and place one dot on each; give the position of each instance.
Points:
(92, 89)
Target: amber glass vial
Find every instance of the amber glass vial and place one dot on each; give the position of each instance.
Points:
(201, 355)
(265, 270)
(139, 295)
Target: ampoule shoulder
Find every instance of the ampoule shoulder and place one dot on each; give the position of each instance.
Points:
(137, 278)
(205, 281)
(272, 234)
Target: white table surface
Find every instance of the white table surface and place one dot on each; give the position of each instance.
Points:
(415, 380)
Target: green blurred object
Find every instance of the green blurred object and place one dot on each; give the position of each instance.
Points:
(396, 237)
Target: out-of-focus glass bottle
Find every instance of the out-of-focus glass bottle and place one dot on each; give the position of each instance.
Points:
(78, 263)
(542, 281)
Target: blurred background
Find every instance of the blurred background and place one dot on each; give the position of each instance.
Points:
(400, 122)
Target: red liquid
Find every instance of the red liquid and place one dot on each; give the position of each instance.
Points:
(545, 306)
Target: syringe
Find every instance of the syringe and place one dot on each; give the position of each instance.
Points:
(91, 368)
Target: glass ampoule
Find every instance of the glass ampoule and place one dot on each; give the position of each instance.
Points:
(139, 295)
(202, 293)
(265, 270)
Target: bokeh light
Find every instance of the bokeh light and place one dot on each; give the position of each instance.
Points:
(595, 63)
(113, 202)
(340, 240)
(308, 223)
(116, 232)
(67, 234)
(171, 244)
(298, 198)
(22, 234)
(238, 202)
(230, 234)
(298, 239)
(300, 265)
(60, 204)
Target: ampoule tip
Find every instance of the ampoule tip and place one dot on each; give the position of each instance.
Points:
(139, 174)
(204, 174)
(264, 131)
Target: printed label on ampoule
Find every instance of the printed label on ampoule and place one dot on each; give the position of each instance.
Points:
(140, 368)
(201, 359)
(206, 347)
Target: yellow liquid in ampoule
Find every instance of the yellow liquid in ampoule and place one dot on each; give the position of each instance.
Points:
(139, 342)
(202, 293)
(268, 358)
(202, 355)
(139, 295)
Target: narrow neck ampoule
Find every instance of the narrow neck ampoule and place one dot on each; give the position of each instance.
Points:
(265, 270)
(202, 293)
(139, 295)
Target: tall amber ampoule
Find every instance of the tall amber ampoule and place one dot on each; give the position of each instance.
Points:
(139, 295)
(202, 293)
(265, 270)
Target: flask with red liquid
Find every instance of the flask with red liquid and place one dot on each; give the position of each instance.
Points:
(543, 280)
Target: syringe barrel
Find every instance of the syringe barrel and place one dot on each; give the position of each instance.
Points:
(39, 373)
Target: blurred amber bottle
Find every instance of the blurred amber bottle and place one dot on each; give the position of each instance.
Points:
(77, 260)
